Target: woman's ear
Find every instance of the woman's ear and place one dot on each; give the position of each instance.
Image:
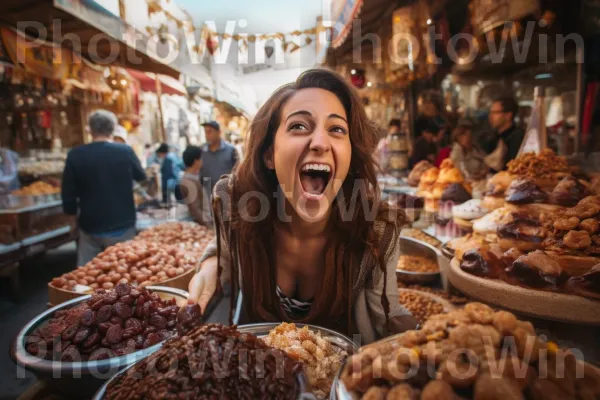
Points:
(268, 158)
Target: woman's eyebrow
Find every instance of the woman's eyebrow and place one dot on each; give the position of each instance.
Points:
(338, 116)
(300, 112)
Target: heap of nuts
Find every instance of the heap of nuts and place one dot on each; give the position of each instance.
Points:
(542, 165)
(419, 235)
(456, 300)
(421, 306)
(136, 262)
(321, 359)
(111, 323)
(474, 353)
(180, 233)
(418, 264)
(211, 362)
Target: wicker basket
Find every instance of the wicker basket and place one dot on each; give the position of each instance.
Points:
(58, 296)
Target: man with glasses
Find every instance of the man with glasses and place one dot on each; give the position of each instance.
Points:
(507, 140)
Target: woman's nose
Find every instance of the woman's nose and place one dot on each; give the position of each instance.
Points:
(320, 141)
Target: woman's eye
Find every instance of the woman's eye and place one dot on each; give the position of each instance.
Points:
(297, 127)
(339, 129)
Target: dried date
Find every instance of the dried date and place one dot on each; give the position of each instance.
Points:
(158, 321)
(115, 334)
(123, 289)
(111, 297)
(69, 333)
(127, 300)
(81, 335)
(122, 310)
(152, 339)
(104, 314)
(134, 325)
(92, 340)
(88, 318)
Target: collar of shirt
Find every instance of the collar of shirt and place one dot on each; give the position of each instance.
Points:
(191, 176)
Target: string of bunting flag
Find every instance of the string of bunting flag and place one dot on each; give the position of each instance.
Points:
(290, 41)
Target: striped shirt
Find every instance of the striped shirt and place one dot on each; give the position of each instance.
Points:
(295, 309)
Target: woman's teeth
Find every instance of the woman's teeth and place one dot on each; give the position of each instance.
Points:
(316, 167)
(314, 178)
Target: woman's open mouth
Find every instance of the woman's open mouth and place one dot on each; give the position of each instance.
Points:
(314, 178)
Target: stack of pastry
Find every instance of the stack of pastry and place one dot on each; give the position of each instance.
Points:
(464, 214)
(545, 170)
(551, 249)
(414, 178)
(434, 182)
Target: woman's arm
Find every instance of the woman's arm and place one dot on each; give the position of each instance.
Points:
(400, 319)
(203, 285)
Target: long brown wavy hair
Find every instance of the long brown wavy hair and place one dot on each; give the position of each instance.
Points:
(349, 237)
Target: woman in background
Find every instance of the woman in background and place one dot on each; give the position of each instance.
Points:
(465, 155)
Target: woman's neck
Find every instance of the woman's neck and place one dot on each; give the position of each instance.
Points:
(302, 229)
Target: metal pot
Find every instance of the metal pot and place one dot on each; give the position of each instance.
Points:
(414, 247)
(80, 379)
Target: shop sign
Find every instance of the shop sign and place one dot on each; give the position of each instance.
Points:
(489, 14)
(343, 13)
(46, 60)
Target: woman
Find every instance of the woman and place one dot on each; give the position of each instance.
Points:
(467, 156)
(291, 235)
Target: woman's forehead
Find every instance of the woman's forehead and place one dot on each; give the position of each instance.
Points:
(315, 101)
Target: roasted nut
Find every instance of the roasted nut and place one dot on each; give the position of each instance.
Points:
(577, 240)
(566, 224)
(590, 225)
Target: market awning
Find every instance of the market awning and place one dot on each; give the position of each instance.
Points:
(372, 17)
(101, 36)
(343, 14)
(148, 83)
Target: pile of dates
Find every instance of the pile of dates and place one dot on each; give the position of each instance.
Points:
(110, 324)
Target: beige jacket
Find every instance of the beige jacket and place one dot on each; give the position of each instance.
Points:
(196, 199)
(368, 289)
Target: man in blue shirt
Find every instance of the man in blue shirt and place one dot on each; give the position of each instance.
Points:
(170, 170)
(218, 156)
(97, 187)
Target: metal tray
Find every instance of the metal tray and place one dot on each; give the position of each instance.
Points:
(413, 247)
(79, 379)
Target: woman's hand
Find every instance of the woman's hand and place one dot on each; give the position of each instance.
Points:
(204, 284)
(402, 324)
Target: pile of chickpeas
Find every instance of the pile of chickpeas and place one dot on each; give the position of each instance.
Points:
(422, 307)
(154, 256)
(180, 233)
(136, 262)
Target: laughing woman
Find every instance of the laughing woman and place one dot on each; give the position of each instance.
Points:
(301, 234)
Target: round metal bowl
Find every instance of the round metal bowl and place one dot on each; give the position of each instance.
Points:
(414, 247)
(80, 379)
(262, 330)
(337, 339)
